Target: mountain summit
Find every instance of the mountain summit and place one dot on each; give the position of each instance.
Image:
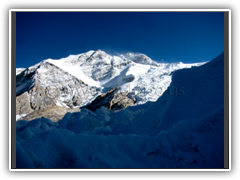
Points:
(76, 80)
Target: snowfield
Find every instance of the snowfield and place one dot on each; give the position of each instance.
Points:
(182, 128)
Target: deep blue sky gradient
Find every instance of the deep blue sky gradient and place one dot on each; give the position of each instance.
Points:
(163, 36)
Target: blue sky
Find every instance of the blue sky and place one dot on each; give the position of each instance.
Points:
(163, 36)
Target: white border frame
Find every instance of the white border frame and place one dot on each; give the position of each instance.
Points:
(118, 10)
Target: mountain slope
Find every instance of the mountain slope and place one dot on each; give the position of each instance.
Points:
(76, 80)
(193, 93)
(46, 86)
(183, 130)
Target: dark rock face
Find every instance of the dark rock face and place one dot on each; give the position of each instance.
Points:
(125, 102)
(112, 99)
(22, 104)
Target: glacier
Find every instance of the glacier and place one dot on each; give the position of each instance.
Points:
(181, 129)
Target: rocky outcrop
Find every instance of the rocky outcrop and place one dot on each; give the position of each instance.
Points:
(125, 102)
(22, 104)
(112, 99)
(39, 98)
(123, 64)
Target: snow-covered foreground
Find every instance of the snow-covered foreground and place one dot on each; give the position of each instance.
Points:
(184, 128)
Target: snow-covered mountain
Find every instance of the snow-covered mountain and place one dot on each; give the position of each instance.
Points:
(19, 70)
(184, 128)
(76, 80)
